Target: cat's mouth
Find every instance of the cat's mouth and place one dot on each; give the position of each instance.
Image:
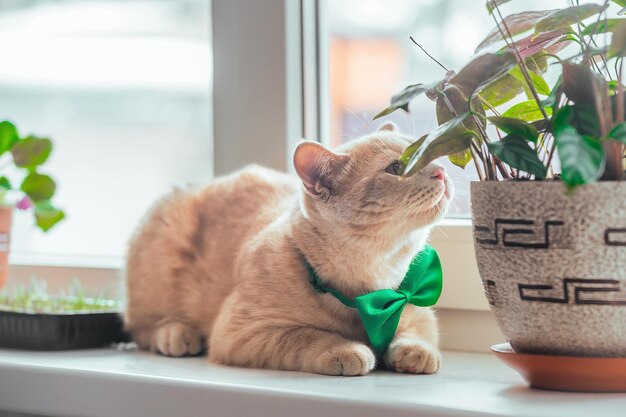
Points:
(440, 203)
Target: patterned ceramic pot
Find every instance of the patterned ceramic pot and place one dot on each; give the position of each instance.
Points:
(554, 265)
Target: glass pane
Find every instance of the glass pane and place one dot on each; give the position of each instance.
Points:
(124, 90)
(371, 58)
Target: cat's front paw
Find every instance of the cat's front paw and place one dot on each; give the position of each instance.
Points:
(350, 359)
(413, 356)
(176, 339)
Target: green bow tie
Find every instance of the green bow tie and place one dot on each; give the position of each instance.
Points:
(380, 310)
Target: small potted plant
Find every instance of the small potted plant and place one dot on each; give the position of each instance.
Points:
(549, 214)
(22, 156)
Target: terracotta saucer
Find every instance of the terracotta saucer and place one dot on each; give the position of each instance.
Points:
(566, 373)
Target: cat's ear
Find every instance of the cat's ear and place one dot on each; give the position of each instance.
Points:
(316, 166)
(389, 126)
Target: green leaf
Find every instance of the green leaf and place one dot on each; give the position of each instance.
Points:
(514, 150)
(582, 117)
(461, 159)
(502, 90)
(5, 183)
(582, 157)
(38, 186)
(515, 126)
(620, 2)
(563, 18)
(410, 151)
(516, 23)
(8, 136)
(527, 111)
(507, 87)
(453, 98)
(47, 215)
(619, 132)
(404, 97)
(31, 151)
(449, 143)
(483, 70)
(551, 100)
(492, 4)
(538, 82)
(603, 26)
(586, 119)
(449, 138)
(613, 86)
(618, 41)
(578, 82)
(562, 119)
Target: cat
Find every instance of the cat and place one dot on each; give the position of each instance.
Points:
(224, 265)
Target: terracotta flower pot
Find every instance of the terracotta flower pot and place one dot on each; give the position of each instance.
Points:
(6, 214)
(554, 265)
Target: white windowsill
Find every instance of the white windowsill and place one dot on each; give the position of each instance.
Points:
(115, 383)
(24, 259)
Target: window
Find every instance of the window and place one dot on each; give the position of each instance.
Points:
(370, 57)
(124, 90)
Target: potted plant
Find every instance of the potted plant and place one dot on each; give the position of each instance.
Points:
(23, 155)
(549, 214)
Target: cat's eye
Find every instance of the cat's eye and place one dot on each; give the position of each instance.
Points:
(394, 168)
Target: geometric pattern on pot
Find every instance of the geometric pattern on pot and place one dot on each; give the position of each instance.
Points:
(520, 233)
(491, 292)
(615, 237)
(585, 292)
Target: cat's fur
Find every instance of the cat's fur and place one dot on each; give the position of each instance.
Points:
(224, 264)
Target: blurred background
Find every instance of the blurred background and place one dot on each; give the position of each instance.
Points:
(124, 90)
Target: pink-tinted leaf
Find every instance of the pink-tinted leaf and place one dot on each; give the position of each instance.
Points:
(492, 4)
(483, 70)
(452, 102)
(564, 18)
(550, 42)
(516, 23)
(580, 84)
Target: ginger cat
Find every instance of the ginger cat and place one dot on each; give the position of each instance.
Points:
(222, 266)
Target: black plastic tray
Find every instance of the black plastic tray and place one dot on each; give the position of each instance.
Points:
(35, 331)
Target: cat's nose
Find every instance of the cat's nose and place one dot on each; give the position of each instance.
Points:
(439, 174)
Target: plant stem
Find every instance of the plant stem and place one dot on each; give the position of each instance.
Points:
(496, 162)
(587, 47)
(481, 176)
(429, 55)
(616, 155)
(520, 62)
(485, 102)
(620, 94)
